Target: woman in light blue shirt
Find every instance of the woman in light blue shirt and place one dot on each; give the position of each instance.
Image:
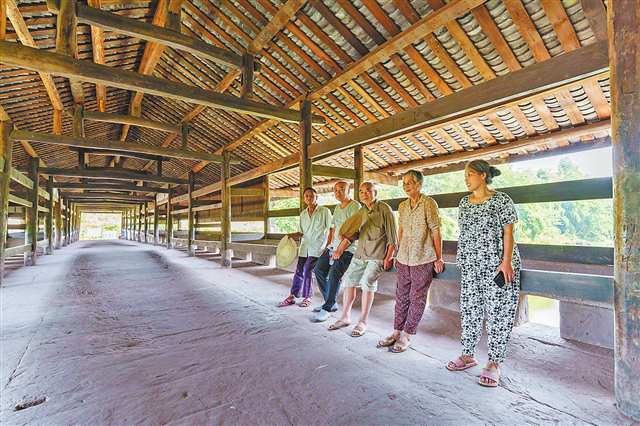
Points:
(315, 222)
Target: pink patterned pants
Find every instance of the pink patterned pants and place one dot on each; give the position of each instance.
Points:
(411, 295)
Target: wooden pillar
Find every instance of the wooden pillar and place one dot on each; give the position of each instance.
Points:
(49, 223)
(169, 228)
(159, 167)
(305, 141)
(6, 150)
(358, 164)
(185, 135)
(67, 219)
(146, 222)
(265, 207)
(129, 224)
(624, 58)
(156, 235)
(225, 212)
(139, 234)
(32, 225)
(3, 19)
(78, 216)
(190, 231)
(59, 221)
(247, 76)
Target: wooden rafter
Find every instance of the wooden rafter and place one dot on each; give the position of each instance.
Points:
(282, 16)
(38, 60)
(97, 46)
(397, 43)
(557, 72)
(25, 37)
(112, 174)
(79, 142)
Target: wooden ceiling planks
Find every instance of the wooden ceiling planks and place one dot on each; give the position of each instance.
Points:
(407, 77)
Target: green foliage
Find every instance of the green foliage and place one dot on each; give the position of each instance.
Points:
(587, 223)
(98, 226)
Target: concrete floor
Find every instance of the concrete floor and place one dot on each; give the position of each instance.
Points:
(116, 332)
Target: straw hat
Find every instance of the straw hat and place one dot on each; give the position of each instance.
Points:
(286, 252)
(352, 225)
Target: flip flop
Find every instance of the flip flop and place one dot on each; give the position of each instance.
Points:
(386, 342)
(287, 302)
(399, 347)
(306, 302)
(459, 364)
(358, 330)
(338, 325)
(492, 375)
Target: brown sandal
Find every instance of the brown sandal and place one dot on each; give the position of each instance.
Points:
(386, 342)
(358, 330)
(400, 347)
(338, 325)
(306, 302)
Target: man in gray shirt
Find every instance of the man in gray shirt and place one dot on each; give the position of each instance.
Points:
(333, 262)
(376, 245)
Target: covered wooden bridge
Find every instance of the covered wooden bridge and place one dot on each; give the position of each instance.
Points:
(187, 116)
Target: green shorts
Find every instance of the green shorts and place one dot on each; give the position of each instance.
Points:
(363, 274)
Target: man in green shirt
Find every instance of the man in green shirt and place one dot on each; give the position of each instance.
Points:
(376, 244)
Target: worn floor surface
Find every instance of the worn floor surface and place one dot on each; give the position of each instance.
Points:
(117, 333)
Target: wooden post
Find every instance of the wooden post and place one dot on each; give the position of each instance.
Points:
(76, 212)
(59, 222)
(169, 220)
(156, 235)
(159, 167)
(225, 212)
(247, 76)
(139, 236)
(146, 222)
(32, 228)
(3, 20)
(49, 223)
(185, 135)
(67, 217)
(306, 178)
(265, 207)
(624, 57)
(6, 151)
(127, 233)
(358, 164)
(190, 231)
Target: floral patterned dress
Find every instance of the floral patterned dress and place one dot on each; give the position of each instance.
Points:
(480, 251)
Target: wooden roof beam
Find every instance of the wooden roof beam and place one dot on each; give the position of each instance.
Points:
(104, 196)
(282, 17)
(111, 173)
(152, 33)
(21, 29)
(97, 46)
(40, 60)
(94, 186)
(493, 150)
(67, 42)
(80, 200)
(401, 41)
(111, 152)
(98, 144)
(106, 117)
(554, 73)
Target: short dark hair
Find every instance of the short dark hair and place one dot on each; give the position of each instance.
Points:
(482, 166)
(308, 188)
(416, 174)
